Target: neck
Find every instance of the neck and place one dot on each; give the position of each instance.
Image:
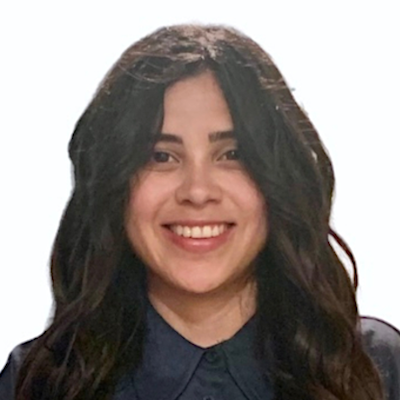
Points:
(205, 319)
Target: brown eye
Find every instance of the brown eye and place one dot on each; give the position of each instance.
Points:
(231, 155)
(161, 157)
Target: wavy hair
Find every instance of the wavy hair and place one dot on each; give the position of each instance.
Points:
(308, 322)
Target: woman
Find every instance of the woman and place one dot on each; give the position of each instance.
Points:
(194, 259)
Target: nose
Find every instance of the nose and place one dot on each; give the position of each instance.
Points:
(198, 186)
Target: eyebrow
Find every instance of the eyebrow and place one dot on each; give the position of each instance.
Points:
(220, 135)
(212, 137)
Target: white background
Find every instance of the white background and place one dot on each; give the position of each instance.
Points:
(342, 58)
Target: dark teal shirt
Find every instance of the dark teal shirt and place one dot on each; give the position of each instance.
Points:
(174, 368)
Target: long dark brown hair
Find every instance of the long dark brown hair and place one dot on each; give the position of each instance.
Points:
(308, 323)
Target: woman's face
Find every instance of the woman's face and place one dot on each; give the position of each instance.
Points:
(195, 217)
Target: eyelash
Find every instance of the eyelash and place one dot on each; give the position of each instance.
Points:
(235, 152)
(157, 153)
(230, 155)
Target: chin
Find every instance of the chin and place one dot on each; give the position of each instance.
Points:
(200, 289)
(205, 285)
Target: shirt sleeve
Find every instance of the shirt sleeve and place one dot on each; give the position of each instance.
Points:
(382, 342)
(8, 377)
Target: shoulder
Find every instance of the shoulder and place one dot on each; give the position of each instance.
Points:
(380, 339)
(382, 342)
(9, 374)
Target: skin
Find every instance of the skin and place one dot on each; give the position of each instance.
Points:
(202, 287)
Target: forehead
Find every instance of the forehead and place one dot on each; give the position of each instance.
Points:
(196, 103)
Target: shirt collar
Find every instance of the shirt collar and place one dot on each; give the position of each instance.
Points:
(169, 361)
(248, 372)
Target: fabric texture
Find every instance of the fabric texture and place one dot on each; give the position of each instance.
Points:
(174, 368)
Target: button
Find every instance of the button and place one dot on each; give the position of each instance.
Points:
(212, 356)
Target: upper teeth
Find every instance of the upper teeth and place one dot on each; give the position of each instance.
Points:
(206, 231)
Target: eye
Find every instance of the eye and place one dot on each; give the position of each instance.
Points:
(230, 155)
(162, 157)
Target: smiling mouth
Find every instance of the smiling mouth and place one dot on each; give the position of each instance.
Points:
(200, 232)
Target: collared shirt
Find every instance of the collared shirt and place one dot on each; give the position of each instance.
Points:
(174, 368)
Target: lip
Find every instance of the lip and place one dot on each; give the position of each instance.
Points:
(193, 222)
(198, 245)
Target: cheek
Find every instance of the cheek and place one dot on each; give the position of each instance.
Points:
(247, 197)
(138, 221)
(147, 198)
(138, 213)
(253, 210)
